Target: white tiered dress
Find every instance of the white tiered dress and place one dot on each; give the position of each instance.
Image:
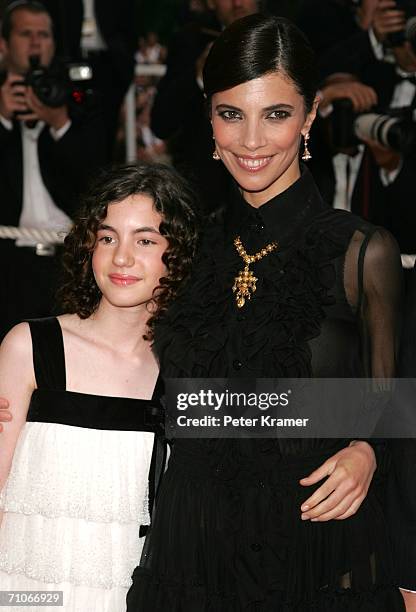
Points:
(78, 491)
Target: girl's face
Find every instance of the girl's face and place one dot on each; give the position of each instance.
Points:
(257, 129)
(127, 258)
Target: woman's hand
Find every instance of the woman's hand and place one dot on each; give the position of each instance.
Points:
(5, 414)
(349, 473)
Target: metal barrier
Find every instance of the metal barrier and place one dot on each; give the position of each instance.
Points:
(41, 236)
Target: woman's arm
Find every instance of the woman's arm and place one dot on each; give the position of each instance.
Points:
(17, 382)
(349, 472)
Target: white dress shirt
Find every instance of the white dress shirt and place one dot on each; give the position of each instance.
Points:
(39, 211)
(346, 168)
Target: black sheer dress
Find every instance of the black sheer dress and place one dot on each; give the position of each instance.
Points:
(227, 534)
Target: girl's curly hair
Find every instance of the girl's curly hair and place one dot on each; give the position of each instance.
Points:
(175, 202)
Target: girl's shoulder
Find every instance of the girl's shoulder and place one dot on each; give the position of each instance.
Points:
(16, 354)
(18, 339)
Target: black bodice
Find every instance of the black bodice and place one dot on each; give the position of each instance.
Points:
(302, 321)
(52, 403)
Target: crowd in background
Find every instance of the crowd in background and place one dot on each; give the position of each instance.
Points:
(368, 65)
(66, 70)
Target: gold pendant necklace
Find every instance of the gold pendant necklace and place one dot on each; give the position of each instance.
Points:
(245, 282)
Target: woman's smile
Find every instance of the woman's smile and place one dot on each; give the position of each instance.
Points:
(253, 164)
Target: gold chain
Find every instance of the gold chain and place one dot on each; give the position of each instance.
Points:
(245, 282)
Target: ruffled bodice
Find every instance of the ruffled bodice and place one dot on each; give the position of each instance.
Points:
(298, 322)
(299, 296)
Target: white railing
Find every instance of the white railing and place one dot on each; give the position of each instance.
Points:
(41, 236)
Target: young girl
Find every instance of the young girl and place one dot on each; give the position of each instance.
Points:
(79, 462)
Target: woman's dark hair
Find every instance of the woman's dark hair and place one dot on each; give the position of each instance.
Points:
(257, 45)
(175, 202)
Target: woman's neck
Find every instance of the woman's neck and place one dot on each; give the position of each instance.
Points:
(258, 198)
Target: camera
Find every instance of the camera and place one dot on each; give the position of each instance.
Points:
(396, 39)
(391, 128)
(57, 85)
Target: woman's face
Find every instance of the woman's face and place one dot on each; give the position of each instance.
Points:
(127, 258)
(257, 130)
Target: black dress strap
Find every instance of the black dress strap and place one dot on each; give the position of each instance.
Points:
(48, 353)
(159, 390)
(360, 270)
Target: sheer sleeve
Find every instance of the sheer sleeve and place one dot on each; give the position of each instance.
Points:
(373, 284)
(374, 262)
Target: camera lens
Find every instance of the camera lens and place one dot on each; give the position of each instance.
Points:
(391, 132)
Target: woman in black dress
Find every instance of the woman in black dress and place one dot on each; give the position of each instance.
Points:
(238, 527)
(231, 531)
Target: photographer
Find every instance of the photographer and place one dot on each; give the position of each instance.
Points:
(47, 153)
(371, 177)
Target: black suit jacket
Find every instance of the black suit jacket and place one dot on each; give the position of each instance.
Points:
(66, 165)
(390, 206)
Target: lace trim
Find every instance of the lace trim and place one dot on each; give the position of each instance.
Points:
(68, 550)
(61, 471)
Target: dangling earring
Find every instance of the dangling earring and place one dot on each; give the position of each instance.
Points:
(215, 155)
(306, 156)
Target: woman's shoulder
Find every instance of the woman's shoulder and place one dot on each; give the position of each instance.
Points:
(381, 251)
(350, 232)
(372, 242)
(336, 219)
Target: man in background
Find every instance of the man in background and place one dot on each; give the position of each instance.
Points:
(47, 154)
